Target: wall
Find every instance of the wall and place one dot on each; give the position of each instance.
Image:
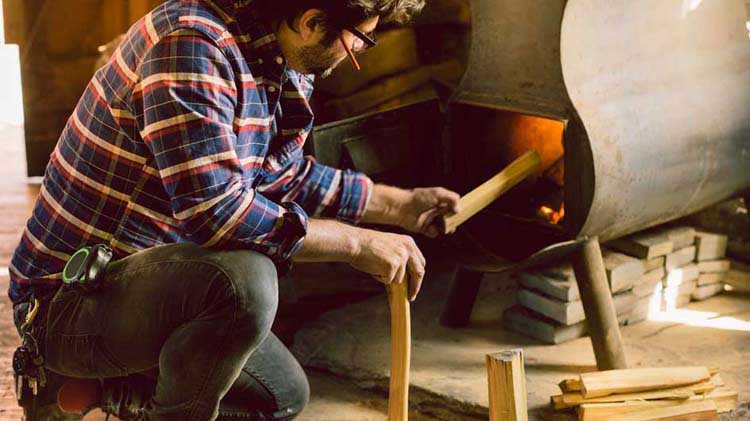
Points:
(58, 48)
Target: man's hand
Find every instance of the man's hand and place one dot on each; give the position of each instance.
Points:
(387, 257)
(424, 207)
(390, 258)
(414, 210)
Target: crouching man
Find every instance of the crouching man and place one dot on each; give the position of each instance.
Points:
(183, 164)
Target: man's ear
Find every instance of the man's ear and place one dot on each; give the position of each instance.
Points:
(311, 25)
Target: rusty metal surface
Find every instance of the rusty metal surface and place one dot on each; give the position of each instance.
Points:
(655, 96)
(663, 91)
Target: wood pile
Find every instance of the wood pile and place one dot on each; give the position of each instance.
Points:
(648, 272)
(639, 394)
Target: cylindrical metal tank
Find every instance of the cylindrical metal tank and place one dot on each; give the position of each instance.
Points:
(654, 98)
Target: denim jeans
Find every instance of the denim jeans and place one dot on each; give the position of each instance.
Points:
(199, 318)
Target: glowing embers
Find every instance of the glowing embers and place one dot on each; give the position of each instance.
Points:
(550, 215)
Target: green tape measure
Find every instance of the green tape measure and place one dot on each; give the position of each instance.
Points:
(85, 268)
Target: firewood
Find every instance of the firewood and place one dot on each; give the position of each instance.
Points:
(570, 385)
(712, 266)
(680, 258)
(571, 400)
(695, 408)
(724, 398)
(645, 245)
(710, 246)
(604, 383)
(398, 394)
(507, 386)
(479, 198)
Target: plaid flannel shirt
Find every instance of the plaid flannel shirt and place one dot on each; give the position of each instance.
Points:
(193, 131)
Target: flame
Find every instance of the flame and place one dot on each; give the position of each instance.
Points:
(551, 215)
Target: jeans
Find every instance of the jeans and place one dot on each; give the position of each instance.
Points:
(201, 319)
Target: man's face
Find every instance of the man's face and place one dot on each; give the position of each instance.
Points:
(320, 53)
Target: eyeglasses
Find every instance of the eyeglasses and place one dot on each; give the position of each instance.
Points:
(361, 43)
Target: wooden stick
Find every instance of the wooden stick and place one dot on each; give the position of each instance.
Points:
(507, 386)
(398, 396)
(688, 411)
(479, 198)
(604, 383)
(725, 400)
(571, 400)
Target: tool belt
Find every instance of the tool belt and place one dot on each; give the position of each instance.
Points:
(84, 271)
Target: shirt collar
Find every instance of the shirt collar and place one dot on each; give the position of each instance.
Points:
(256, 37)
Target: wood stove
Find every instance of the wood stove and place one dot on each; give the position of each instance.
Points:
(639, 109)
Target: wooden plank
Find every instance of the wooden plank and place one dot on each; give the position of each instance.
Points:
(681, 237)
(710, 246)
(681, 275)
(565, 290)
(398, 394)
(561, 311)
(644, 245)
(711, 278)
(604, 383)
(680, 258)
(596, 412)
(570, 385)
(571, 400)
(527, 322)
(688, 411)
(622, 270)
(477, 199)
(724, 398)
(507, 386)
(652, 264)
(710, 266)
(706, 291)
(650, 283)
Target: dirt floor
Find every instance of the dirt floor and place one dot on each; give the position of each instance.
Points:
(346, 350)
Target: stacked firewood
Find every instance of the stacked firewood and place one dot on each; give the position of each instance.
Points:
(648, 272)
(647, 394)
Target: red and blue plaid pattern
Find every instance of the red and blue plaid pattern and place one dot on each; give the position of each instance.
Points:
(193, 131)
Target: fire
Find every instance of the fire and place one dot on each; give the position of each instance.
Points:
(551, 215)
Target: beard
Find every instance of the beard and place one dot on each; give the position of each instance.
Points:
(318, 60)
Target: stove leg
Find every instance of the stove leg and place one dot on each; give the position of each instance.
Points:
(461, 300)
(599, 306)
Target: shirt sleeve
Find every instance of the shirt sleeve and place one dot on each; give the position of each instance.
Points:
(321, 190)
(185, 107)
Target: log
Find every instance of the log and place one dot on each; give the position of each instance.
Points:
(605, 383)
(507, 386)
(398, 395)
(479, 198)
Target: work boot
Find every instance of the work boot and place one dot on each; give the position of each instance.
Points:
(43, 406)
(127, 398)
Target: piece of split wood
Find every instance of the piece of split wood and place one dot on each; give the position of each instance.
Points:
(398, 394)
(507, 386)
(604, 383)
(724, 398)
(571, 400)
(687, 411)
(570, 385)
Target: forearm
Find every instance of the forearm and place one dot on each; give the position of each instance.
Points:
(328, 241)
(386, 204)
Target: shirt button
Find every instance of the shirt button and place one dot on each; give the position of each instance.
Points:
(279, 60)
(260, 61)
(271, 89)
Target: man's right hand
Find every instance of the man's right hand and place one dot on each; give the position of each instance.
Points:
(390, 258)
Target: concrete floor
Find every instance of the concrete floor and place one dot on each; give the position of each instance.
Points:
(346, 350)
(448, 371)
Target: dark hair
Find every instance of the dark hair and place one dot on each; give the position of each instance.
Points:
(340, 13)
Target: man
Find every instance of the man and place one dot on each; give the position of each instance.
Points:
(184, 155)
